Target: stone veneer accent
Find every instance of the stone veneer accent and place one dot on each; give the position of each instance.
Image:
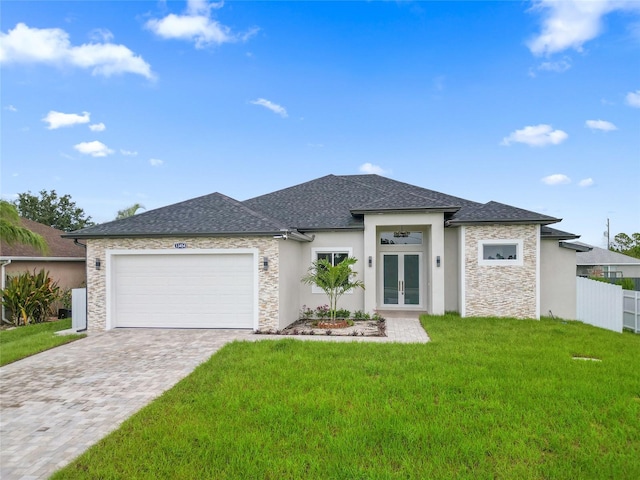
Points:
(502, 291)
(96, 279)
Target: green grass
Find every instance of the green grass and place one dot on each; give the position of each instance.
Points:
(486, 399)
(28, 340)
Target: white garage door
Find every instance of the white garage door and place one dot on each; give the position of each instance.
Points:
(183, 290)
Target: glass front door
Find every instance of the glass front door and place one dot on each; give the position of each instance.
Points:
(401, 278)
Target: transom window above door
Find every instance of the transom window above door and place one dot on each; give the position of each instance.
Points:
(401, 237)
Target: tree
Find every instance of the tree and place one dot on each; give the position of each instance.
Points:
(129, 211)
(50, 209)
(333, 280)
(629, 245)
(12, 232)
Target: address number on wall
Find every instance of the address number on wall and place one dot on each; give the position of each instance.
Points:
(180, 245)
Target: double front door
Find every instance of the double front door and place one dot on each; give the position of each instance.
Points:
(401, 275)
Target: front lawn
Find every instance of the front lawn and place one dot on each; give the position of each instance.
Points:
(486, 399)
(24, 341)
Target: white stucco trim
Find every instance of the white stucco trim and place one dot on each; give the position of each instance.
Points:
(463, 299)
(110, 253)
(518, 242)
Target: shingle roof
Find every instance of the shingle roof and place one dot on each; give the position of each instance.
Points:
(500, 212)
(58, 247)
(548, 232)
(602, 256)
(208, 215)
(327, 203)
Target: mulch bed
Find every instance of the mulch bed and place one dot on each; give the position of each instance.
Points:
(360, 328)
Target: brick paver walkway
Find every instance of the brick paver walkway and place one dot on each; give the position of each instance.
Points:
(56, 404)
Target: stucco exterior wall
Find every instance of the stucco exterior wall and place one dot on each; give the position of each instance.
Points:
(268, 298)
(451, 269)
(331, 241)
(557, 280)
(67, 274)
(289, 281)
(501, 290)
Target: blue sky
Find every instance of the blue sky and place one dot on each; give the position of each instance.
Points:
(533, 104)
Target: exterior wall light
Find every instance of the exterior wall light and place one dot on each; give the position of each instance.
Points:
(98, 264)
(265, 263)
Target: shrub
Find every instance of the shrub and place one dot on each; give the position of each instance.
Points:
(626, 284)
(306, 313)
(360, 315)
(322, 311)
(343, 313)
(29, 297)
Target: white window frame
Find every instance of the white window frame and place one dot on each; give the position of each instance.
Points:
(332, 250)
(518, 261)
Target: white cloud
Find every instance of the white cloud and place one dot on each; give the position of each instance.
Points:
(11, 108)
(558, 67)
(556, 179)
(52, 46)
(59, 119)
(371, 168)
(197, 26)
(572, 23)
(156, 162)
(101, 35)
(536, 136)
(95, 149)
(600, 125)
(585, 182)
(274, 107)
(128, 153)
(633, 99)
(98, 127)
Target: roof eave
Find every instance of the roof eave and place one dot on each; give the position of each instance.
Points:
(364, 211)
(575, 246)
(173, 234)
(15, 258)
(504, 221)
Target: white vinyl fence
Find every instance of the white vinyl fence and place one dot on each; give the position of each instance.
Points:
(631, 310)
(79, 309)
(599, 304)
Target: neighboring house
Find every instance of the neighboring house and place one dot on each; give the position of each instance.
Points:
(215, 262)
(65, 260)
(600, 262)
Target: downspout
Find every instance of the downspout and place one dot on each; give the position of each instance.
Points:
(2, 285)
(86, 274)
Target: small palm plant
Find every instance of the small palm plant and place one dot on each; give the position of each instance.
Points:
(334, 280)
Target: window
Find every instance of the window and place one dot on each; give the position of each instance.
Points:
(334, 255)
(334, 258)
(500, 252)
(401, 237)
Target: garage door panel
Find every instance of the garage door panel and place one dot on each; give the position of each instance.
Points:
(184, 291)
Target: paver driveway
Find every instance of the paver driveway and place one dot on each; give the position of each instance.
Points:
(57, 403)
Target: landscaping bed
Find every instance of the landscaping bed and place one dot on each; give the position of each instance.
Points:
(339, 327)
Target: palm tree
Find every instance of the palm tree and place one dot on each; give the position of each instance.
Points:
(129, 211)
(12, 232)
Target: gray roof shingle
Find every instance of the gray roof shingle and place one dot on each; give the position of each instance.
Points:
(602, 256)
(500, 212)
(327, 203)
(208, 215)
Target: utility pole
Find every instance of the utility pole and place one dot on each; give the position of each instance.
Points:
(608, 236)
